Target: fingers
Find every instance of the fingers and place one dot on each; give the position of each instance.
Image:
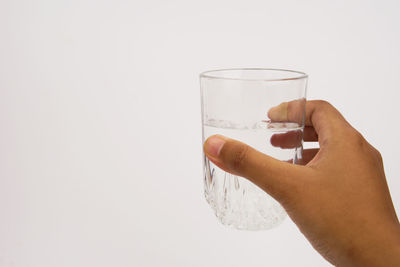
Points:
(308, 155)
(274, 176)
(321, 115)
(292, 111)
(309, 134)
(293, 139)
(290, 139)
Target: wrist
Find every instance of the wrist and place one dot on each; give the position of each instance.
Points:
(377, 248)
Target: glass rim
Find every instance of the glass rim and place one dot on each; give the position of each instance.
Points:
(209, 74)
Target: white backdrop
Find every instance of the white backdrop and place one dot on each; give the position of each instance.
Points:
(100, 135)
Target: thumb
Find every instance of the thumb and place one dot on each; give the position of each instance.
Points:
(275, 177)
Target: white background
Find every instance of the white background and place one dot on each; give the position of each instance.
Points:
(100, 135)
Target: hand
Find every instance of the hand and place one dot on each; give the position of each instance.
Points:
(339, 200)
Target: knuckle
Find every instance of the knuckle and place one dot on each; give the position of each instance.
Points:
(361, 145)
(239, 156)
(359, 139)
(377, 155)
(355, 137)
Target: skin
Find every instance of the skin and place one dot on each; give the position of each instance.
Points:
(338, 197)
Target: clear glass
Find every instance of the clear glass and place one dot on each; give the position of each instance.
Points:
(235, 103)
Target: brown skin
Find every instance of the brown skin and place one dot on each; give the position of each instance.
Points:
(339, 199)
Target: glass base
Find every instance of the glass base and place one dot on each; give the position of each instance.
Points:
(239, 203)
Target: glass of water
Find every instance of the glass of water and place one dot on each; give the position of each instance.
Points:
(236, 103)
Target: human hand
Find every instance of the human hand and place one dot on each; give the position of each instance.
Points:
(339, 200)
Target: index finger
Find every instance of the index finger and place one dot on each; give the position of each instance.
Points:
(319, 114)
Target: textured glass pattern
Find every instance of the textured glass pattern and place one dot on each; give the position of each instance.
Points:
(238, 202)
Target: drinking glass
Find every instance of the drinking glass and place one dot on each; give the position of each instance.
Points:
(235, 103)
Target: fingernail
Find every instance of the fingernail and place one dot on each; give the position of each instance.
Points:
(214, 145)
